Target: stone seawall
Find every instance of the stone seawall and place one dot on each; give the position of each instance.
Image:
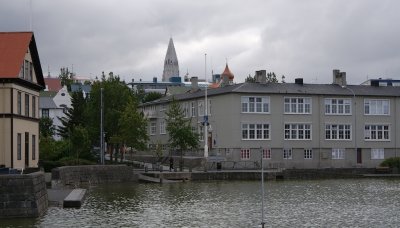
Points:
(330, 173)
(76, 176)
(233, 175)
(23, 195)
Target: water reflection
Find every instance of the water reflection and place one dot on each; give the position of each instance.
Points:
(323, 203)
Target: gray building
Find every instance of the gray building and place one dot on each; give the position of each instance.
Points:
(292, 125)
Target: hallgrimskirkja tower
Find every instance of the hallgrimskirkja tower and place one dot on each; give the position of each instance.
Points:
(171, 66)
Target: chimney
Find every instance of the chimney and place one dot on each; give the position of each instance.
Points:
(261, 76)
(195, 83)
(339, 78)
(298, 81)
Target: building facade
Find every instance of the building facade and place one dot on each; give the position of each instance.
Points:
(291, 125)
(21, 79)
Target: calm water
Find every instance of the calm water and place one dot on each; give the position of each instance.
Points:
(322, 203)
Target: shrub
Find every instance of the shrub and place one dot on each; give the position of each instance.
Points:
(391, 162)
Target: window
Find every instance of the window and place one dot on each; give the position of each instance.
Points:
(193, 108)
(33, 107)
(201, 108)
(185, 107)
(297, 105)
(287, 153)
(162, 127)
(255, 104)
(266, 153)
(298, 131)
(337, 106)
(26, 69)
(30, 71)
(163, 107)
(153, 128)
(377, 153)
(26, 105)
(376, 132)
(245, 154)
(19, 103)
(376, 107)
(307, 153)
(33, 147)
(201, 132)
(338, 153)
(45, 113)
(338, 131)
(255, 131)
(19, 146)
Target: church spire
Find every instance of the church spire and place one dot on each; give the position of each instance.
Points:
(171, 66)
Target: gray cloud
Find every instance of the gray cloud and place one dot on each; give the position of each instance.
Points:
(296, 38)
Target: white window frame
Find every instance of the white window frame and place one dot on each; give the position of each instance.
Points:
(256, 131)
(377, 107)
(266, 153)
(193, 109)
(200, 110)
(338, 106)
(373, 131)
(308, 154)
(293, 131)
(153, 128)
(297, 105)
(201, 132)
(336, 130)
(287, 153)
(244, 154)
(162, 127)
(255, 104)
(338, 153)
(377, 154)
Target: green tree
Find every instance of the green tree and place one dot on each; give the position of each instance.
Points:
(66, 77)
(116, 95)
(74, 116)
(181, 136)
(152, 96)
(132, 126)
(46, 127)
(250, 79)
(271, 78)
(80, 144)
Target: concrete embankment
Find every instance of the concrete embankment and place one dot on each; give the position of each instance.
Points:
(76, 176)
(23, 195)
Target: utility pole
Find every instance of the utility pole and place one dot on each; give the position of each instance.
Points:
(205, 111)
(101, 128)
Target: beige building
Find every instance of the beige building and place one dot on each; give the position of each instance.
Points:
(291, 125)
(21, 79)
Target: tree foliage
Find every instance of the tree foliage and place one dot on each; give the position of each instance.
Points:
(180, 132)
(271, 78)
(74, 117)
(132, 126)
(152, 96)
(46, 127)
(66, 77)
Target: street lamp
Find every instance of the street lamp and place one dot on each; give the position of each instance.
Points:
(205, 111)
(355, 120)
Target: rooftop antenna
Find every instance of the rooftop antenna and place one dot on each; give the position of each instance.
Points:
(31, 16)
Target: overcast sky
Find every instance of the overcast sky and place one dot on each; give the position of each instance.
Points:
(295, 38)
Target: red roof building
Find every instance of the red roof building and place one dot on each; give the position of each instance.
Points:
(21, 79)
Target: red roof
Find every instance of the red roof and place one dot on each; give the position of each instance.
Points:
(13, 46)
(228, 73)
(53, 84)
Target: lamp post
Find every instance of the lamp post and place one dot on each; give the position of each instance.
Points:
(205, 111)
(262, 189)
(355, 120)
